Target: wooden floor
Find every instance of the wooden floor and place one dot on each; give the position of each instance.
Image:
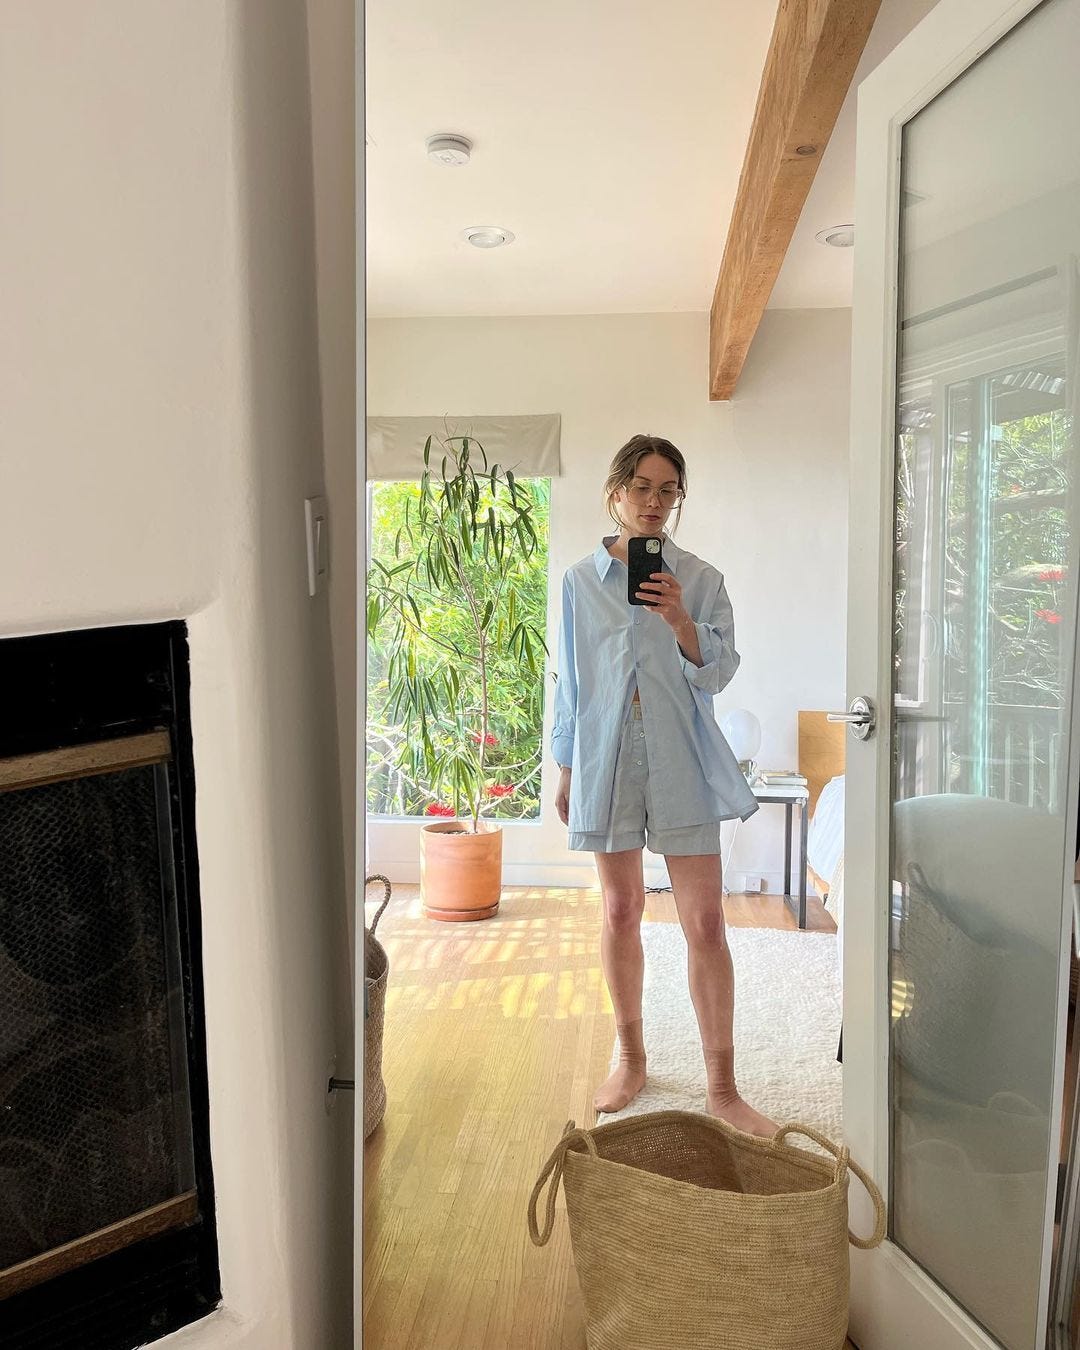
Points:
(496, 1034)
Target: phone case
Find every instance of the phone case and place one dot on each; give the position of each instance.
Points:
(644, 557)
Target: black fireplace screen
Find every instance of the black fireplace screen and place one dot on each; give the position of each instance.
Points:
(107, 1235)
(96, 1125)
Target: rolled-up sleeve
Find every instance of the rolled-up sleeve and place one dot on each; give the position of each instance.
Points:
(716, 637)
(566, 690)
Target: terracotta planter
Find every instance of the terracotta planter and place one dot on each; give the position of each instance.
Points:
(460, 873)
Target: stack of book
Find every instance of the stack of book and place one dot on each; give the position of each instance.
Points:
(781, 778)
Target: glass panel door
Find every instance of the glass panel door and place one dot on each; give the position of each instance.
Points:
(985, 542)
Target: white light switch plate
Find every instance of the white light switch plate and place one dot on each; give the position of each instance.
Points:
(318, 544)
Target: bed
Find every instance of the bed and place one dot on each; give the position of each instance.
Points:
(821, 761)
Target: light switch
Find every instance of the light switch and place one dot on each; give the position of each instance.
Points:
(318, 544)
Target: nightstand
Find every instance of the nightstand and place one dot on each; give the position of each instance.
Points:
(789, 798)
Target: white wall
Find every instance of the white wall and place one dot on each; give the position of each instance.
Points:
(162, 423)
(334, 100)
(767, 503)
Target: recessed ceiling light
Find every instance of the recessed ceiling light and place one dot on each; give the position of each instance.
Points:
(487, 236)
(837, 236)
(449, 148)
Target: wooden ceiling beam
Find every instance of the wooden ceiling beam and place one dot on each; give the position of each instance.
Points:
(815, 47)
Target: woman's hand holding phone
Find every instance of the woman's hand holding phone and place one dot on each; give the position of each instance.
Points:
(660, 592)
(665, 598)
(663, 595)
(648, 581)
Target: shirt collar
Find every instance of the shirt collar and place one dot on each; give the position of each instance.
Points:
(603, 559)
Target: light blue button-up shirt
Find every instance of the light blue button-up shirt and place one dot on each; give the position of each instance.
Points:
(606, 647)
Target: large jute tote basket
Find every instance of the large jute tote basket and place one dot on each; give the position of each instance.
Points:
(690, 1235)
(376, 969)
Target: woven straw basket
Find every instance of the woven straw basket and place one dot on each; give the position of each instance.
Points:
(376, 969)
(690, 1235)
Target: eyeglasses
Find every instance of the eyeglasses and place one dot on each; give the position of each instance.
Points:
(640, 494)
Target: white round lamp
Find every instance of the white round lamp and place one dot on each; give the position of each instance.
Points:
(742, 731)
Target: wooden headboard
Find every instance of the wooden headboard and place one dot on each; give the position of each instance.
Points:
(821, 751)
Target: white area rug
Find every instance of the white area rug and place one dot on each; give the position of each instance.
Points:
(787, 1025)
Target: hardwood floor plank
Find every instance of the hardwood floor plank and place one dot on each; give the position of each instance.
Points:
(496, 1034)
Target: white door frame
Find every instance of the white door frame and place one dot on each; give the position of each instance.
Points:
(360, 562)
(894, 1304)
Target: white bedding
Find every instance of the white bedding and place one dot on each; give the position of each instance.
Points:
(825, 837)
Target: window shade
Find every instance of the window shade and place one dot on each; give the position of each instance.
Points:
(529, 445)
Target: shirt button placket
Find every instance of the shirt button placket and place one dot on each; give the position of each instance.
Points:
(639, 729)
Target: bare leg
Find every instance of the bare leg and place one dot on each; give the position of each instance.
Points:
(698, 889)
(623, 889)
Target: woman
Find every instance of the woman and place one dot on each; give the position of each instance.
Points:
(642, 760)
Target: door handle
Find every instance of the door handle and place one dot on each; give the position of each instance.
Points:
(860, 717)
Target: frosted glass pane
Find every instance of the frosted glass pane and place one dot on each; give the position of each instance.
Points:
(986, 517)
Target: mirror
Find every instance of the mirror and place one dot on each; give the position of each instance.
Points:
(548, 195)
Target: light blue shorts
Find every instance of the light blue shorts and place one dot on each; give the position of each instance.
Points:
(629, 825)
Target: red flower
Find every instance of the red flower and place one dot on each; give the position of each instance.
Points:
(1050, 615)
(500, 790)
(489, 739)
(1052, 574)
(438, 809)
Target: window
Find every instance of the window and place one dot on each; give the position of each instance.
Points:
(983, 478)
(513, 749)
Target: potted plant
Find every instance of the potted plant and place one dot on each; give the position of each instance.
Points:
(448, 615)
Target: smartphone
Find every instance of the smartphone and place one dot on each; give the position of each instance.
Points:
(643, 558)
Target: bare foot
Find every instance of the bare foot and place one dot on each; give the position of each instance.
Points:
(736, 1112)
(621, 1088)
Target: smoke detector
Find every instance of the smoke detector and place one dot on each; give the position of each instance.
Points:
(448, 148)
(837, 236)
(487, 236)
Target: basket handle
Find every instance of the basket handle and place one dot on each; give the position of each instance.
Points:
(844, 1161)
(554, 1168)
(378, 876)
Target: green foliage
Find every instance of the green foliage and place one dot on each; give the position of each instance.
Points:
(456, 608)
(983, 541)
(1015, 547)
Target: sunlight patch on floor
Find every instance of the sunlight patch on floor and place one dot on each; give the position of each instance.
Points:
(903, 997)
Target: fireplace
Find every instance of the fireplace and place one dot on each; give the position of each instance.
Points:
(107, 1235)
